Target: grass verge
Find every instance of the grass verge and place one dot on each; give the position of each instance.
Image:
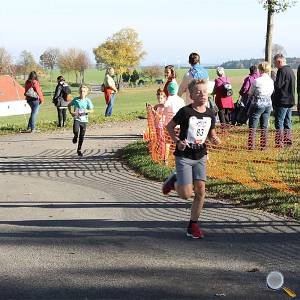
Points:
(137, 157)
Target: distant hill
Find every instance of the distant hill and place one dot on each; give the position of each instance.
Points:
(246, 63)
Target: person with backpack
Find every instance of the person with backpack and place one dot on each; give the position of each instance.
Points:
(223, 96)
(196, 71)
(110, 90)
(61, 98)
(243, 103)
(34, 97)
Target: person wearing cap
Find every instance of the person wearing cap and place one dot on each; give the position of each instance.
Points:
(225, 103)
(173, 103)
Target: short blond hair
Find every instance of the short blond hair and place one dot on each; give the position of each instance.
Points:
(194, 82)
(264, 67)
(85, 87)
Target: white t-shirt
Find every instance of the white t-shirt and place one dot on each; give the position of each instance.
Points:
(262, 86)
(172, 106)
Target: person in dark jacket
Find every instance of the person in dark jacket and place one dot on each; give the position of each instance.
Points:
(283, 101)
(60, 101)
(34, 101)
(298, 90)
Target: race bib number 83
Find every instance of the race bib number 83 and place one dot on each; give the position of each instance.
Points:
(198, 130)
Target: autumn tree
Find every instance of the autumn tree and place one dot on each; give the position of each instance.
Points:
(152, 72)
(5, 62)
(74, 60)
(49, 59)
(121, 51)
(82, 63)
(273, 7)
(276, 48)
(26, 63)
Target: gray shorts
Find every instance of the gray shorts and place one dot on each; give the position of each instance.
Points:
(188, 170)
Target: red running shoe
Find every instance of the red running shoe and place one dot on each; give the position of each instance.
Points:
(169, 184)
(195, 232)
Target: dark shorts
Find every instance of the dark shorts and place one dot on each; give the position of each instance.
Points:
(189, 170)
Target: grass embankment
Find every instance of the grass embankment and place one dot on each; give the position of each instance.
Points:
(272, 200)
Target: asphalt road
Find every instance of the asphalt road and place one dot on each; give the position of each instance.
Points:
(90, 228)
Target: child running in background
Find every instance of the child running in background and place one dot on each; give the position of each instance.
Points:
(82, 107)
(159, 120)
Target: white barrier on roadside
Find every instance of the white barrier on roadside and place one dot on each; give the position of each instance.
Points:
(12, 108)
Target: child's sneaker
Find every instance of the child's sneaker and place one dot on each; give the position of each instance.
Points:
(169, 184)
(195, 232)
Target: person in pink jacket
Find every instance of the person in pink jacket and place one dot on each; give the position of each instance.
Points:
(224, 102)
(32, 84)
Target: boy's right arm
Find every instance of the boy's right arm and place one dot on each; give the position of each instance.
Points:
(170, 128)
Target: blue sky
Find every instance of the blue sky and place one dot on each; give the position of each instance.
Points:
(219, 30)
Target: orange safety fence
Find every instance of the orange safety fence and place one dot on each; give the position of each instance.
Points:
(253, 158)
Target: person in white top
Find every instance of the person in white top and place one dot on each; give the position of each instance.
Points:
(173, 103)
(261, 105)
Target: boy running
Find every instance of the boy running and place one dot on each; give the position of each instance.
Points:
(197, 122)
(82, 107)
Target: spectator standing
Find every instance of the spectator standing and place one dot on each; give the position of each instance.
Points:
(283, 101)
(223, 102)
(82, 107)
(247, 83)
(298, 91)
(197, 122)
(241, 110)
(110, 90)
(170, 75)
(60, 100)
(261, 105)
(196, 71)
(34, 97)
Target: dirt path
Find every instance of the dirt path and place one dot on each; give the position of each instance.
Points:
(90, 228)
